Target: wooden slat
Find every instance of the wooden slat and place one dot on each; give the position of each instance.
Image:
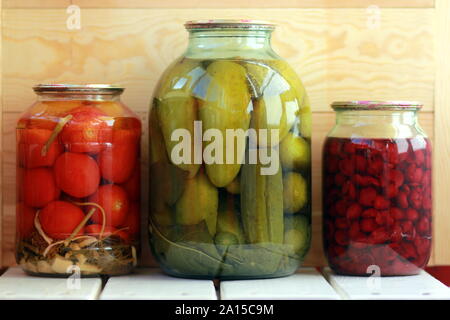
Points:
(220, 4)
(152, 284)
(323, 122)
(336, 53)
(16, 285)
(442, 136)
(307, 284)
(419, 287)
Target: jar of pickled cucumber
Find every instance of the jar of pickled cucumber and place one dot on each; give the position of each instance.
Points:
(78, 182)
(377, 189)
(230, 157)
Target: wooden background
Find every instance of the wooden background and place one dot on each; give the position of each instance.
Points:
(342, 49)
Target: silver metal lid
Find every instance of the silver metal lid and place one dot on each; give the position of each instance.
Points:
(86, 89)
(230, 24)
(376, 105)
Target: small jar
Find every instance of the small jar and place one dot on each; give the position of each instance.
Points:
(377, 195)
(78, 182)
(230, 167)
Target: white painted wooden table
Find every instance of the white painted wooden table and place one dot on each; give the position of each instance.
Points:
(152, 284)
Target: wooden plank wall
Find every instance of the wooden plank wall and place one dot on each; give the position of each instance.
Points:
(340, 49)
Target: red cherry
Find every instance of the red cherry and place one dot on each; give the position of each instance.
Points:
(409, 232)
(415, 199)
(396, 177)
(396, 213)
(86, 131)
(347, 167)
(361, 163)
(31, 143)
(341, 207)
(341, 223)
(39, 187)
(59, 219)
(424, 226)
(349, 147)
(333, 147)
(368, 225)
(412, 214)
(354, 231)
(354, 211)
(113, 199)
(332, 164)
(339, 179)
(77, 174)
(414, 174)
(341, 237)
(349, 190)
(402, 200)
(419, 156)
(24, 220)
(381, 203)
(396, 233)
(367, 196)
(375, 166)
(369, 213)
(380, 235)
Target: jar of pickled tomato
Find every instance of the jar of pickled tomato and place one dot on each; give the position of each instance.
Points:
(78, 182)
(377, 190)
(230, 159)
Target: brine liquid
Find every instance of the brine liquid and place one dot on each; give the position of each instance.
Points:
(377, 205)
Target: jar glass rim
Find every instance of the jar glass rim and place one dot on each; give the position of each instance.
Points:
(59, 88)
(236, 24)
(376, 105)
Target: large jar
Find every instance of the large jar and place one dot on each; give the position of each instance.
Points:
(78, 182)
(377, 195)
(230, 169)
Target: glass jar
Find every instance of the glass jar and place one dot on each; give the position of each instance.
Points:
(377, 195)
(230, 167)
(78, 182)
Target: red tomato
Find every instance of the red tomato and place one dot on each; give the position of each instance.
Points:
(24, 220)
(59, 219)
(117, 161)
(133, 220)
(94, 231)
(133, 185)
(113, 199)
(39, 187)
(31, 142)
(86, 131)
(77, 174)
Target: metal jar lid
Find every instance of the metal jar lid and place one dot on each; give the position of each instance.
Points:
(86, 89)
(377, 105)
(230, 24)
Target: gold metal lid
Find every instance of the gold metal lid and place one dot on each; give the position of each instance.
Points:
(87, 89)
(230, 24)
(377, 105)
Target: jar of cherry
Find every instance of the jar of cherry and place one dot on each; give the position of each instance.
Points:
(377, 190)
(78, 187)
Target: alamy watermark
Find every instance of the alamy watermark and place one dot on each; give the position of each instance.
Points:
(189, 150)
